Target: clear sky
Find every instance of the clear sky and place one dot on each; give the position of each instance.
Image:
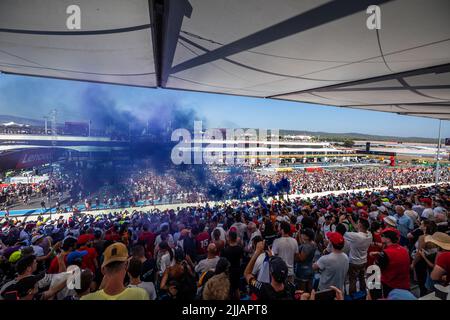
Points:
(34, 97)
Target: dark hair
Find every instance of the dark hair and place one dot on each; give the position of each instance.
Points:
(338, 246)
(24, 263)
(374, 226)
(216, 234)
(309, 233)
(232, 235)
(364, 223)
(430, 227)
(257, 239)
(69, 243)
(114, 266)
(285, 227)
(341, 228)
(86, 279)
(138, 250)
(391, 235)
(179, 254)
(135, 267)
(307, 222)
(223, 265)
(97, 234)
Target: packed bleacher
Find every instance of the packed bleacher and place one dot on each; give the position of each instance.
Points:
(148, 187)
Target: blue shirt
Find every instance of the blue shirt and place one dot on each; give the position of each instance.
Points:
(404, 224)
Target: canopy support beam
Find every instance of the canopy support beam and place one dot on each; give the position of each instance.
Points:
(438, 153)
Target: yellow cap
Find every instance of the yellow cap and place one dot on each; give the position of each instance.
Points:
(115, 252)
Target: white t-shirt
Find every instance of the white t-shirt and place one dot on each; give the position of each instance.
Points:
(170, 241)
(427, 213)
(38, 251)
(241, 228)
(261, 270)
(206, 264)
(286, 248)
(359, 242)
(56, 280)
(222, 233)
(147, 286)
(333, 270)
(439, 210)
(374, 214)
(165, 263)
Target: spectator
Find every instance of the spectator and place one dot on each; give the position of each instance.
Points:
(393, 262)
(441, 270)
(304, 267)
(114, 269)
(210, 261)
(359, 243)
(135, 267)
(333, 267)
(286, 248)
(278, 289)
(218, 286)
(234, 253)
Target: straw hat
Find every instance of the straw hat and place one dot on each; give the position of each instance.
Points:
(390, 220)
(440, 239)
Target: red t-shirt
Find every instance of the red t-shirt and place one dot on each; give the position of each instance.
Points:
(149, 238)
(443, 261)
(54, 265)
(88, 260)
(202, 242)
(373, 248)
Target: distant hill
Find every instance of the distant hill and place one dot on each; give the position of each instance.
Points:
(325, 136)
(21, 120)
(329, 136)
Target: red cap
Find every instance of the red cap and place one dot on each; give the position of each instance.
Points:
(84, 238)
(349, 210)
(390, 229)
(335, 238)
(425, 200)
(363, 214)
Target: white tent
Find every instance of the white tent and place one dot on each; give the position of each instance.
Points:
(316, 51)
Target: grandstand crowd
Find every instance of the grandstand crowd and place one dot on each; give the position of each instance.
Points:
(148, 187)
(303, 249)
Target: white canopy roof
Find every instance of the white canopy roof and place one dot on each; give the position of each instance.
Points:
(316, 51)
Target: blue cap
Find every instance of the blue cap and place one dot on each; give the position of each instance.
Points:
(75, 255)
(401, 294)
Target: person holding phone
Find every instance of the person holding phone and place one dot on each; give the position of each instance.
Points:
(393, 261)
(278, 288)
(333, 267)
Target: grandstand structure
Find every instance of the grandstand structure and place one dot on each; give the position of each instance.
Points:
(282, 152)
(20, 151)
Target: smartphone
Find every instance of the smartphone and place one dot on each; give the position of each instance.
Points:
(328, 295)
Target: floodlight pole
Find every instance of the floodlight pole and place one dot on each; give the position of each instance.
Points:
(438, 152)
